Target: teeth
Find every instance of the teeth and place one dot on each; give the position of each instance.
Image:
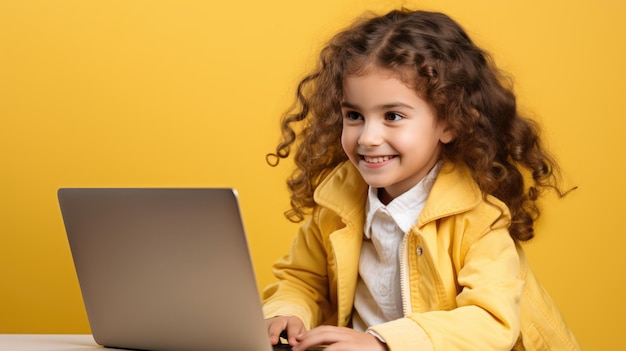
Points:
(377, 159)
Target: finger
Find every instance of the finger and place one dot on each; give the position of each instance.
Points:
(338, 346)
(275, 326)
(295, 328)
(324, 335)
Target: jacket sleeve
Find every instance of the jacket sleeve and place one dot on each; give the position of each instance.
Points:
(302, 286)
(543, 326)
(485, 312)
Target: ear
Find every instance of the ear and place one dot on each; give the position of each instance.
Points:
(447, 135)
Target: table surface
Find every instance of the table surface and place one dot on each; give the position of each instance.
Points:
(66, 342)
(49, 342)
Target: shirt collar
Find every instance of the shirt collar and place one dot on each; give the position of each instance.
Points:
(404, 209)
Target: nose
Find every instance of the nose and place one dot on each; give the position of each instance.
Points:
(371, 134)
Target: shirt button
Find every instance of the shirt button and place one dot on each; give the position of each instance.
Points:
(383, 291)
(419, 250)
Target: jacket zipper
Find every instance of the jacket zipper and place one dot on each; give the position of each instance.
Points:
(405, 290)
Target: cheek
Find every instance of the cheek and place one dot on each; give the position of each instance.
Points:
(344, 141)
(349, 140)
(418, 135)
(405, 140)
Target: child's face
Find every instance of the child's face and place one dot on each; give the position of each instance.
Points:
(390, 134)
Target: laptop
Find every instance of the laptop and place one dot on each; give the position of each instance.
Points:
(164, 269)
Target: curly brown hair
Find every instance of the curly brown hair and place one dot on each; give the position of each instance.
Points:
(461, 82)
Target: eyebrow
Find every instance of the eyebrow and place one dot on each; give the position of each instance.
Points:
(380, 107)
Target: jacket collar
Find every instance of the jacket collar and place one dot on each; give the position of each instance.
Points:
(344, 192)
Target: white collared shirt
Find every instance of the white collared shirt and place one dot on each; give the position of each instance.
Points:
(378, 296)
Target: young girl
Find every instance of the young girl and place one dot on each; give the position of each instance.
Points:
(411, 166)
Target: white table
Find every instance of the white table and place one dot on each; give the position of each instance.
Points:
(49, 342)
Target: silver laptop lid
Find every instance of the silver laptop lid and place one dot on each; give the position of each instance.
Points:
(164, 269)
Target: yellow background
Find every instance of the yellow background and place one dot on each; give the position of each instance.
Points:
(189, 93)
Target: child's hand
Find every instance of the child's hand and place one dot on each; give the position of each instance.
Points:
(338, 338)
(292, 325)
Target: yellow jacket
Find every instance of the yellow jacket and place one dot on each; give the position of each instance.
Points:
(466, 284)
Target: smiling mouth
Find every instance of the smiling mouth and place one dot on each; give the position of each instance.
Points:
(376, 159)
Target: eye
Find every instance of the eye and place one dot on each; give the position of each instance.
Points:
(353, 116)
(392, 116)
